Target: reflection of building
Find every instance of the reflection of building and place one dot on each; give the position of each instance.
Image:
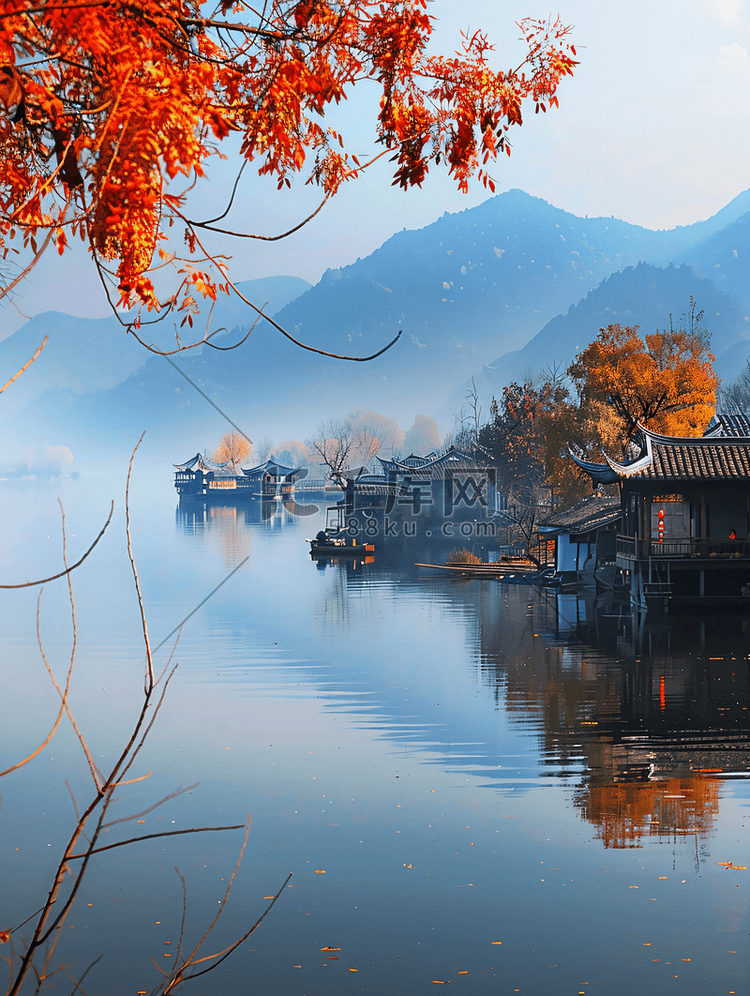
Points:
(685, 512)
(625, 812)
(647, 716)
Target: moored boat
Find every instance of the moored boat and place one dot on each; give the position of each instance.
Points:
(334, 542)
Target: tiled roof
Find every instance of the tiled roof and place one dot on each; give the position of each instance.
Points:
(711, 459)
(591, 513)
(674, 458)
(735, 423)
(202, 462)
(270, 467)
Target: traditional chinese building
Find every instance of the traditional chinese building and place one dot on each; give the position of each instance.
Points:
(434, 486)
(685, 505)
(203, 477)
(584, 540)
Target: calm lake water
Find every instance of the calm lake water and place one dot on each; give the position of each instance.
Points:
(473, 783)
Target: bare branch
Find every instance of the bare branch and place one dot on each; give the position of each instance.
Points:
(221, 955)
(26, 365)
(145, 812)
(54, 577)
(150, 836)
(149, 680)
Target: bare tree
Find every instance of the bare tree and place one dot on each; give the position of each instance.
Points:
(475, 409)
(262, 450)
(737, 391)
(366, 444)
(334, 442)
(528, 505)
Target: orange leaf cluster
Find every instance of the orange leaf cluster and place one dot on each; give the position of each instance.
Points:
(664, 381)
(110, 110)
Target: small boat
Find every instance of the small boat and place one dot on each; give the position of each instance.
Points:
(334, 542)
(329, 548)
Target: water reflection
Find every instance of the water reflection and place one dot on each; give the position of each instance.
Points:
(359, 712)
(650, 708)
(640, 718)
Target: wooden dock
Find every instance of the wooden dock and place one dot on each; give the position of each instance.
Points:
(497, 570)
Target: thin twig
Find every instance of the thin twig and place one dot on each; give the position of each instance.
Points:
(149, 679)
(150, 836)
(54, 577)
(77, 985)
(210, 227)
(145, 812)
(44, 341)
(221, 955)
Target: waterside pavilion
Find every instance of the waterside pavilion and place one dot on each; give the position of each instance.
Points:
(685, 507)
(201, 476)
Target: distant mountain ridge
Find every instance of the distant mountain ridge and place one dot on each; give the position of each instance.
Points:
(485, 293)
(643, 295)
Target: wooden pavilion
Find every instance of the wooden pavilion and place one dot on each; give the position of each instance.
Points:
(685, 506)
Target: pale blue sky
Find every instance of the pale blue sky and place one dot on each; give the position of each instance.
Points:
(654, 128)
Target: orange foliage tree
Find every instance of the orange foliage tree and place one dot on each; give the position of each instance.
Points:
(528, 435)
(663, 381)
(112, 109)
(233, 449)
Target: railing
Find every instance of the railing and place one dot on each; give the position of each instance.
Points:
(316, 484)
(633, 548)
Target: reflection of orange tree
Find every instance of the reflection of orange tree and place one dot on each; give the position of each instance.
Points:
(233, 538)
(625, 812)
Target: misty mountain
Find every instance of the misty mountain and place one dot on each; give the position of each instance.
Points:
(644, 295)
(88, 355)
(489, 292)
(481, 282)
(724, 259)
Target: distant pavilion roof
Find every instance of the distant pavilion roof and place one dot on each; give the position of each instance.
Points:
(201, 462)
(677, 459)
(431, 466)
(270, 466)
